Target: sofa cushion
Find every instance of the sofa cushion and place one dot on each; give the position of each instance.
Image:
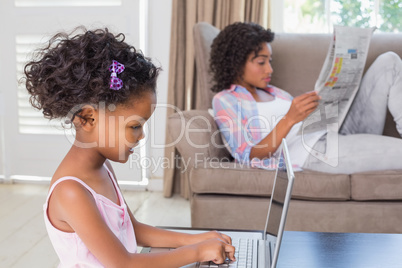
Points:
(377, 185)
(296, 65)
(234, 179)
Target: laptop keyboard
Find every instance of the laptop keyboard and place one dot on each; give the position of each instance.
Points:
(244, 255)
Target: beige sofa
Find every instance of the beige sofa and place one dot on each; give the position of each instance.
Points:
(224, 194)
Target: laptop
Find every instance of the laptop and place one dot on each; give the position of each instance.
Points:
(259, 249)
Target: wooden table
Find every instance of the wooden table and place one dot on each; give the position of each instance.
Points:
(326, 250)
(336, 250)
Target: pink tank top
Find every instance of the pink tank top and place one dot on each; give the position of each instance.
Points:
(70, 249)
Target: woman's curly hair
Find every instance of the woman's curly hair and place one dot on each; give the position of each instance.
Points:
(230, 49)
(73, 69)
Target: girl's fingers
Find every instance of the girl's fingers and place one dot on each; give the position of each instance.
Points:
(221, 256)
(226, 238)
(230, 251)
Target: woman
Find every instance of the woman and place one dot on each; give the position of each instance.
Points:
(254, 116)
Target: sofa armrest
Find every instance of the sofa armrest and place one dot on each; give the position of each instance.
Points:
(197, 137)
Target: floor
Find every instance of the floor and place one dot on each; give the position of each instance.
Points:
(23, 237)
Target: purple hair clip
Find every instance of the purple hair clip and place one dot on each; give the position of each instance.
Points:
(116, 68)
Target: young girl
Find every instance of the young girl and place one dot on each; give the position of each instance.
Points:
(106, 90)
(254, 116)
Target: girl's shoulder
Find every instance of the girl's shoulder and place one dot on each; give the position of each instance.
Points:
(92, 181)
(66, 173)
(70, 186)
(68, 196)
(67, 189)
(70, 178)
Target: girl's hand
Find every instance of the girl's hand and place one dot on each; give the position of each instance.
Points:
(302, 106)
(211, 235)
(215, 250)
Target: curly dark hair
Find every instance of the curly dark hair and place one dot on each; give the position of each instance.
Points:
(230, 49)
(73, 69)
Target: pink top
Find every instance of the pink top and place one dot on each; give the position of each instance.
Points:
(70, 249)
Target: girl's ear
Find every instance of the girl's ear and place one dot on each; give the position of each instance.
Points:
(86, 117)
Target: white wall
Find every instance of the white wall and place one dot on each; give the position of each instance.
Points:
(159, 44)
(2, 171)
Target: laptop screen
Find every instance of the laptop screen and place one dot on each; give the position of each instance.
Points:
(278, 208)
(279, 192)
(277, 202)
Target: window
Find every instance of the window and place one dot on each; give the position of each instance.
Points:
(31, 147)
(30, 121)
(319, 16)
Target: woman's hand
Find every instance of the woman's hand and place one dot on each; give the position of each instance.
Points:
(302, 106)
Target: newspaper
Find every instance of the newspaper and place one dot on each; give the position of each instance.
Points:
(340, 77)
